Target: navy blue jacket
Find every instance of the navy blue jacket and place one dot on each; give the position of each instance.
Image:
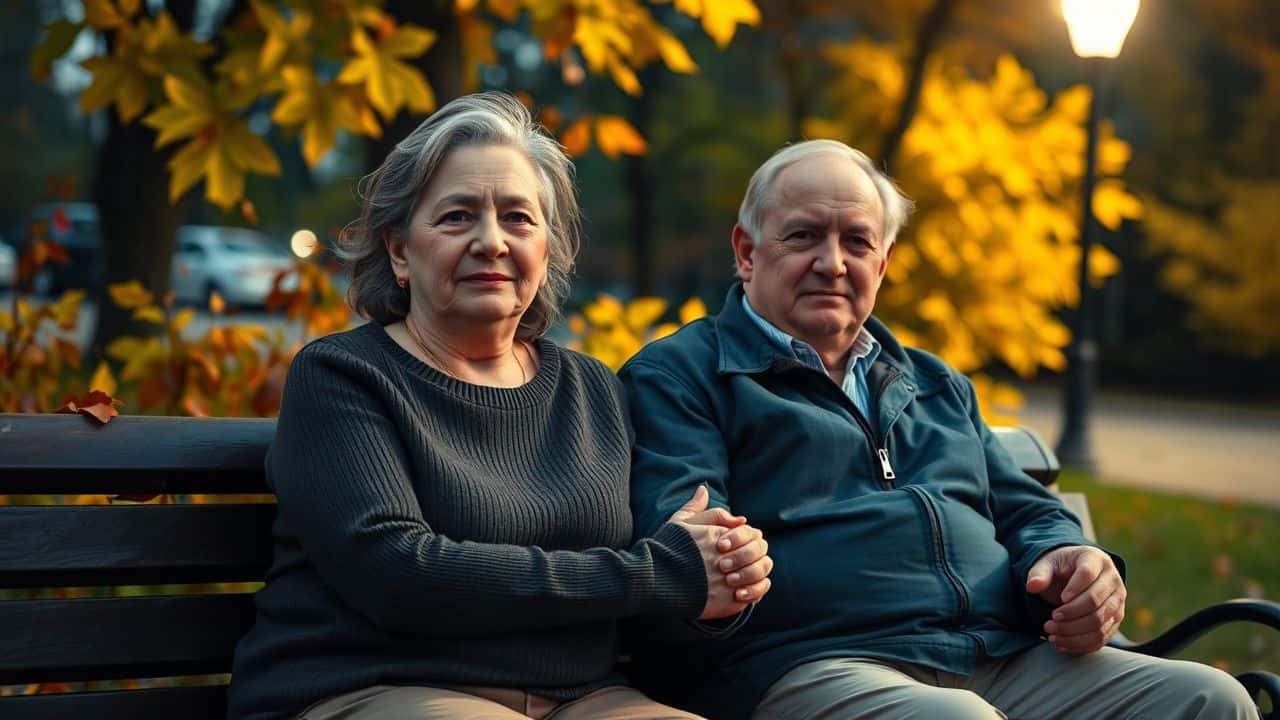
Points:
(912, 543)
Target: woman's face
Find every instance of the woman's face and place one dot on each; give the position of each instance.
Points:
(476, 246)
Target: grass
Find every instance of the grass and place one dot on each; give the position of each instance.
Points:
(1184, 554)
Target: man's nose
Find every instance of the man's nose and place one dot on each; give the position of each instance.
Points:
(489, 240)
(829, 258)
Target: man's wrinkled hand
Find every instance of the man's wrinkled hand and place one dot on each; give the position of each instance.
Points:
(1088, 595)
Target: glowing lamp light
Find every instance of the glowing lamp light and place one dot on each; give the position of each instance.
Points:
(1098, 27)
(303, 243)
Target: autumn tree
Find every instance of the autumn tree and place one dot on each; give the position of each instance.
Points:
(180, 107)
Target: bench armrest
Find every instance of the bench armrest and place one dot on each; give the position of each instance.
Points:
(1264, 612)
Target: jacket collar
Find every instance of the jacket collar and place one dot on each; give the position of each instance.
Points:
(744, 348)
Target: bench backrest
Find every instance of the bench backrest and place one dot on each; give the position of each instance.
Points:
(151, 632)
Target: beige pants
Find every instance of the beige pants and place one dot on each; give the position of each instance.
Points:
(387, 702)
(1037, 683)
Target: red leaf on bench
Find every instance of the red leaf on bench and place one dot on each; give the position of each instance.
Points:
(97, 405)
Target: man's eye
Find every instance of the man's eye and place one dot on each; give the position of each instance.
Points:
(800, 235)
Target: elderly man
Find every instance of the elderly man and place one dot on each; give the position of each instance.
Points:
(919, 572)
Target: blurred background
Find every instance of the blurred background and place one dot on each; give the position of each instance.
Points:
(173, 174)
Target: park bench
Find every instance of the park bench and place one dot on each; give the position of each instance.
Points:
(165, 636)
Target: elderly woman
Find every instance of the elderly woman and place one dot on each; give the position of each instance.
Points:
(454, 538)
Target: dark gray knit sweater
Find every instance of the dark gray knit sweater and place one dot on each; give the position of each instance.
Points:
(432, 532)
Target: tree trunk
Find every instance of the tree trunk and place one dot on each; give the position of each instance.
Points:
(131, 190)
(926, 40)
(442, 64)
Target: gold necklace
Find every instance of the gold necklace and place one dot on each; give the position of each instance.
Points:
(435, 359)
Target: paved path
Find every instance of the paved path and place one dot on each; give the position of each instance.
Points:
(1199, 448)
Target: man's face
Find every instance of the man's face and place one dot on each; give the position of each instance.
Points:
(817, 266)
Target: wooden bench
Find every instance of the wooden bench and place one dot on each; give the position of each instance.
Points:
(163, 636)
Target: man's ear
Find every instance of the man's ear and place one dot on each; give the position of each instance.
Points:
(888, 255)
(743, 248)
(393, 241)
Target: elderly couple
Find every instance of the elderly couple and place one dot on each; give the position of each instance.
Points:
(790, 514)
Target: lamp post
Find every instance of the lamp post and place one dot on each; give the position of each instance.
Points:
(1098, 29)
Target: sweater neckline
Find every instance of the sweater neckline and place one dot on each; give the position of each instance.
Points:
(538, 390)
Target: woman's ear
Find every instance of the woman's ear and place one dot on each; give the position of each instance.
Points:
(393, 240)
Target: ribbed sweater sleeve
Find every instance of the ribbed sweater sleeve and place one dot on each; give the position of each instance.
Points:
(343, 477)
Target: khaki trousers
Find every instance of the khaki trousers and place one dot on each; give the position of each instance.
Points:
(387, 702)
(1037, 683)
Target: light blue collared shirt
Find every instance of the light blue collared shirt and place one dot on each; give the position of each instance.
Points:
(864, 352)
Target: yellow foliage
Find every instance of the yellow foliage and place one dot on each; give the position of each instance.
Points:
(1225, 264)
(617, 137)
(994, 166)
(129, 295)
(612, 332)
(390, 82)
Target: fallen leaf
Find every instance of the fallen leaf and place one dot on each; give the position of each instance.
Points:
(97, 404)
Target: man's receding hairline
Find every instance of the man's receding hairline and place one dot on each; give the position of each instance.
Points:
(778, 185)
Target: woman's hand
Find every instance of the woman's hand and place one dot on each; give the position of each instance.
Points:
(734, 555)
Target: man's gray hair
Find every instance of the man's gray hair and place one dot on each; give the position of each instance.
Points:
(391, 193)
(897, 207)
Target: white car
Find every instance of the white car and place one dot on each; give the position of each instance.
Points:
(8, 265)
(238, 264)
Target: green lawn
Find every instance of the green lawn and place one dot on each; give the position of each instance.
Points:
(1184, 554)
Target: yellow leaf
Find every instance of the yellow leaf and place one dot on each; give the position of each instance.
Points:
(720, 18)
(66, 312)
(216, 303)
(129, 295)
(390, 83)
(616, 137)
(181, 320)
(643, 312)
(58, 37)
(103, 380)
(6, 322)
(673, 53)
(149, 313)
(1102, 264)
(691, 310)
(577, 137)
(1111, 204)
(624, 77)
(604, 312)
(102, 15)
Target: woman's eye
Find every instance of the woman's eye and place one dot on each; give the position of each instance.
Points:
(519, 217)
(456, 216)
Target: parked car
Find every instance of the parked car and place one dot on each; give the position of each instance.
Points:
(238, 264)
(8, 265)
(75, 226)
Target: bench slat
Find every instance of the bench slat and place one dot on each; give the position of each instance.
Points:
(189, 703)
(115, 638)
(61, 546)
(69, 454)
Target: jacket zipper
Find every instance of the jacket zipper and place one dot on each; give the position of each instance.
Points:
(942, 557)
(879, 447)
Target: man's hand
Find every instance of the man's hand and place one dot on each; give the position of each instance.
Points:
(1085, 586)
(734, 556)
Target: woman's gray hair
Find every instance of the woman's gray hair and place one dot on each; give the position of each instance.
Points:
(391, 193)
(897, 207)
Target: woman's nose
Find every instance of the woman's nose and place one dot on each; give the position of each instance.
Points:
(488, 240)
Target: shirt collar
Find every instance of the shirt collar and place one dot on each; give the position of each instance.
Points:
(864, 345)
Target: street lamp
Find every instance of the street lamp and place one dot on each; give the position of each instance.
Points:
(1098, 29)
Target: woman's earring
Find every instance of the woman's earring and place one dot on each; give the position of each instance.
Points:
(402, 282)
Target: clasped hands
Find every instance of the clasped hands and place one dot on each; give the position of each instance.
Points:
(1087, 592)
(735, 556)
